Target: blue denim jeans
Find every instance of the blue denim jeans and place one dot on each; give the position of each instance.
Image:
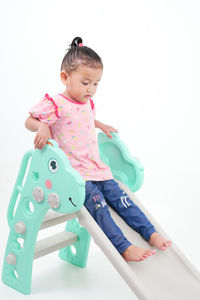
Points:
(101, 193)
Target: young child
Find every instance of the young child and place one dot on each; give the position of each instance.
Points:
(69, 118)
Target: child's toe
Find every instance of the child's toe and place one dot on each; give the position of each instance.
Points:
(167, 244)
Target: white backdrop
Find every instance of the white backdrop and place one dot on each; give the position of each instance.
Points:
(149, 92)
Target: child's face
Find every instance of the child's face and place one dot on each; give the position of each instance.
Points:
(82, 83)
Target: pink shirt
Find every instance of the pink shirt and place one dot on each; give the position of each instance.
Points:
(72, 126)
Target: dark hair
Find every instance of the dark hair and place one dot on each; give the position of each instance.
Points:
(80, 55)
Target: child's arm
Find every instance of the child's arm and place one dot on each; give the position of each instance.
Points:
(43, 131)
(105, 128)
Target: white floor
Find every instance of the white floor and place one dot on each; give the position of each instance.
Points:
(53, 278)
(173, 203)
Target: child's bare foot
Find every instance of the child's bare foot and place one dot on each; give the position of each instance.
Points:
(157, 240)
(133, 253)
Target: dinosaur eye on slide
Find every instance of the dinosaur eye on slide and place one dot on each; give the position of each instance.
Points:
(53, 166)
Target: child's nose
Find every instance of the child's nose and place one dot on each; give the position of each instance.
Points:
(89, 90)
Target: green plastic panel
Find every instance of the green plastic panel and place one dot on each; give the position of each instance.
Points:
(124, 167)
(46, 180)
(77, 253)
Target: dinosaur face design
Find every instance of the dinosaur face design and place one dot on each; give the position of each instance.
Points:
(56, 182)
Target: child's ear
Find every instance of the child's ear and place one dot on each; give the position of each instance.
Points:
(63, 77)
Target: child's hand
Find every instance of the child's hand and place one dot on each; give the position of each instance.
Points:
(42, 136)
(107, 129)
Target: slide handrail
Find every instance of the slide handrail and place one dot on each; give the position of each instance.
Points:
(18, 186)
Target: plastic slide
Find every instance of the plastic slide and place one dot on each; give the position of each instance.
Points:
(49, 191)
(167, 275)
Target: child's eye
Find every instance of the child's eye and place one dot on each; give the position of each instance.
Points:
(86, 83)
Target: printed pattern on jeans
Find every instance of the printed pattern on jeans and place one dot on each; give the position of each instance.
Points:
(124, 200)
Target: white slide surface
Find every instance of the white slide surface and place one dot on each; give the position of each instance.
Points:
(167, 275)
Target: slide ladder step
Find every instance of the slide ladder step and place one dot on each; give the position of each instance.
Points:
(53, 218)
(54, 243)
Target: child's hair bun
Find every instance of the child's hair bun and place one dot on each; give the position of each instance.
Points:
(76, 41)
(79, 54)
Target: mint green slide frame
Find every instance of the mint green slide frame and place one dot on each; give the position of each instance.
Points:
(46, 180)
(48, 166)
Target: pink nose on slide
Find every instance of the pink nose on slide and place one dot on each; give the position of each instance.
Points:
(48, 184)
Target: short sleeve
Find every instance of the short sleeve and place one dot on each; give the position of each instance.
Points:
(47, 111)
(93, 107)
